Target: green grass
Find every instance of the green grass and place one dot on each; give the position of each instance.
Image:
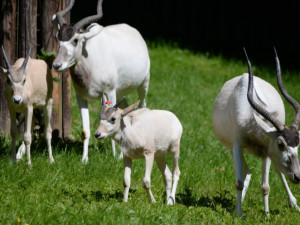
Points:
(187, 84)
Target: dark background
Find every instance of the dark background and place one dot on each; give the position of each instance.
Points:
(217, 27)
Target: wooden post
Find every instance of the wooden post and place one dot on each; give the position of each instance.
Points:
(27, 28)
(61, 116)
(8, 40)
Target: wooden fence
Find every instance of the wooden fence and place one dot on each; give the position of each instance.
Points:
(25, 23)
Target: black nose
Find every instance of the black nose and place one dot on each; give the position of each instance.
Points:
(297, 178)
(97, 135)
(56, 65)
(17, 100)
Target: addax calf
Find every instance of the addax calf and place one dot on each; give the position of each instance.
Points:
(248, 117)
(144, 133)
(29, 85)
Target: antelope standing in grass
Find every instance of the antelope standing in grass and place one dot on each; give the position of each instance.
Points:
(257, 126)
(112, 60)
(29, 85)
(144, 133)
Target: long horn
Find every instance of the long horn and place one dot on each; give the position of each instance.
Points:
(5, 58)
(91, 19)
(277, 124)
(116, 105)
(60, 14)
(103, 100)
(291, 100)
(25, 60)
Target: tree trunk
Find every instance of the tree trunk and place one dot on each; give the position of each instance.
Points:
(61, 116)
(8, 40)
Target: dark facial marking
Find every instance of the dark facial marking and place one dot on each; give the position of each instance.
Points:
(290, 135)
(106, 112)
(66, 32)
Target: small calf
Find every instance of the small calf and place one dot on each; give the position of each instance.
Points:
(144, 133)
(29, 85)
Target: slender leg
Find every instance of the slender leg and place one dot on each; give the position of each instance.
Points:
(112, 97)
(239, 181)
(292, 199)
(14, 134)
(48, 128)
(164, 169)
(176, 172)
(86, 132)
(127, 175)
(265, 188)
(246, 176)
(147, 178)
(27, 135)
(143, 90)
(21, 151)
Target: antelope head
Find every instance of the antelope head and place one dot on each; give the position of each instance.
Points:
(284, 140)
(16, 78)
(72, 38)
(111, 118)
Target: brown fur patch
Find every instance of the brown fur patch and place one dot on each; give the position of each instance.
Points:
(66, 32)
(290, 135)
(83, 134)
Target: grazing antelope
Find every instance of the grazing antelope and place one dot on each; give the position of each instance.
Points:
(144, 133)
(29, 86)
(112, 60)
(257, 126)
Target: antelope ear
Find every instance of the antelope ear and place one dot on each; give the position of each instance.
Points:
(263, 125)
(92, 30)
(130, 108)
(3, 71)
(55, 22)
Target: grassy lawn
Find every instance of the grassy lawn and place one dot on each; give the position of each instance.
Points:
(187, 84)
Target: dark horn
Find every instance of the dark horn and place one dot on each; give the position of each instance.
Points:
(25, 60)
(277, 124)
(5, 58)
(103, 100)
(117, 105)
(91, 19)
(60, 14)
(291, 100)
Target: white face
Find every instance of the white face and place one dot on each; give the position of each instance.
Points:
(15, 87)
(68, 52)
(285, 158)
(108, 127)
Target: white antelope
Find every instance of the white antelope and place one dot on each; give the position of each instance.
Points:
(144, 133)
(112, 60)
(29, 85)
(257, 126)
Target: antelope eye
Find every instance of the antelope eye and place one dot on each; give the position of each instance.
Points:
(113, 119)
(24, 81)
(280, 144)
(8, 81)
(75, 41)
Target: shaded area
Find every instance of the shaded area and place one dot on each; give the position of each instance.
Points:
(97, 195)
(222, 198)
(218, 27)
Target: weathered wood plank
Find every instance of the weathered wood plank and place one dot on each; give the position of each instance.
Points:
(8, 40)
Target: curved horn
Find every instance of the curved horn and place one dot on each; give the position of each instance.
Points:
(5, 58)
(116, 105)
(25, 60)
(291, 100)
(103, 99)
(60, 14)
(277, 124)
(91, 19)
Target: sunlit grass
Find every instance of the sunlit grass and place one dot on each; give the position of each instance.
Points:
(187, 84)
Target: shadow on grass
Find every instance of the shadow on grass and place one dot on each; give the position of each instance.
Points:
(222, 198)
(98, 196)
